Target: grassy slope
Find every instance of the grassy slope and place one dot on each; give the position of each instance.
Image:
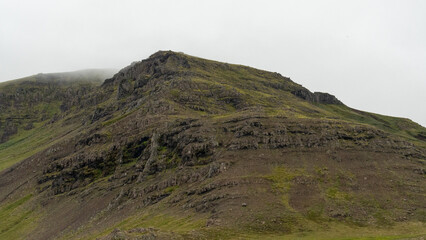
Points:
(17, 219)
(173, 225)
(402, 127)
(20, 215)
(28, 142)
(259, 88)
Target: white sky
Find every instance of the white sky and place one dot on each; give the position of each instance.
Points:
(370, 54)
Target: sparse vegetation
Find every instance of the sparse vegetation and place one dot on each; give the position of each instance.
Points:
(17, 219)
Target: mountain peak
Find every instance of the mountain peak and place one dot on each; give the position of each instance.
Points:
(248, 82)
(163, 53)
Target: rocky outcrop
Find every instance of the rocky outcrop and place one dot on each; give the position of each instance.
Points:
(162, 63)
(326, 98)
(317, 97)
(150, 165)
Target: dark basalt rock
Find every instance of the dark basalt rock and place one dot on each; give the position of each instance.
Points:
(160, 63)
(317, 97)
(326, 98)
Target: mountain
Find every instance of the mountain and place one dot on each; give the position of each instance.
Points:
(179, 147)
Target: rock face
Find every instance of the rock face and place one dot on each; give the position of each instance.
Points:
(326, 98)
(176, 146)
(317, 97)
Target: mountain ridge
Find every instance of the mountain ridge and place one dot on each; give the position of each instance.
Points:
(96, 73)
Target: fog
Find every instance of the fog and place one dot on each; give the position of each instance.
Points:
(370, 54)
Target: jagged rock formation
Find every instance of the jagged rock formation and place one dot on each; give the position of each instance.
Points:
(316, 97)
(176, 146)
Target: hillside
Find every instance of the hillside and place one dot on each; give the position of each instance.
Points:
(179, 147)
(27, 105)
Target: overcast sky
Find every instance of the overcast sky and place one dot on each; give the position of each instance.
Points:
(370, 54)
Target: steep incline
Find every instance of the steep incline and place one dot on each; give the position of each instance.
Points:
(30, 105)
(176, 146)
